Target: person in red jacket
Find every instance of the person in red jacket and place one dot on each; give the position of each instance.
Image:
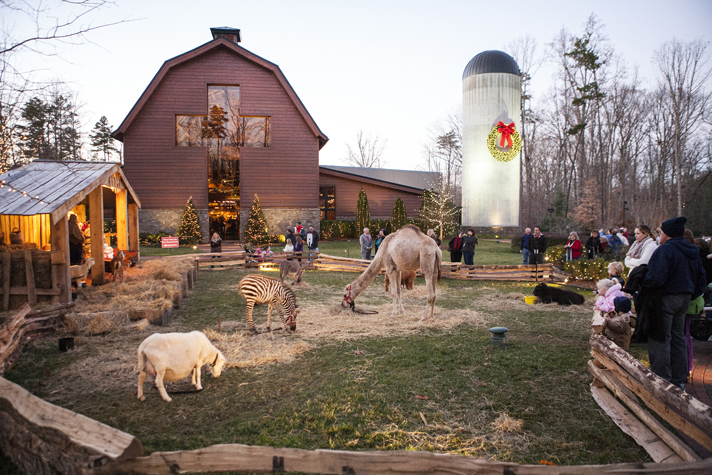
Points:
(573, 247)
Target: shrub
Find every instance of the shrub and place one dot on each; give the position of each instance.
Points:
(363, 213)
(398, 217)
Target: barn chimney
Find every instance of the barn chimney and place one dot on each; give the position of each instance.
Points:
(230, 34)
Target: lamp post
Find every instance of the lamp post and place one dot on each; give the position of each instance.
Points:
(551, 217)
(625, 208)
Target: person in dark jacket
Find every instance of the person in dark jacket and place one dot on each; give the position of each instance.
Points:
(455, 248)
(524, 246)
(537, 247)
(469, 241)
(675, 274)
(593, 245)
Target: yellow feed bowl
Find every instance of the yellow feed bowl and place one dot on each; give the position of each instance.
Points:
(530, 299)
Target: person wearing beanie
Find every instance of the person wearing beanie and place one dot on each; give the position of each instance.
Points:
(618, 325)
(675, 275)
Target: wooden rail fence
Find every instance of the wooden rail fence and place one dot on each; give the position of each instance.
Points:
(313, 260)
(41, 438)
(620, 377)
(28, 260)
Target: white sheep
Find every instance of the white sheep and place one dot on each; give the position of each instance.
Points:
(173, 356)
(79, 272)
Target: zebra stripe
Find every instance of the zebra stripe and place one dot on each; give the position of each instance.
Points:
(258, 289)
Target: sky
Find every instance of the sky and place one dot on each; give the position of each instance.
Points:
(390, 68)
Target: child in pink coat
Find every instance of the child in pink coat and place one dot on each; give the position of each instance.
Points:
(608, 290)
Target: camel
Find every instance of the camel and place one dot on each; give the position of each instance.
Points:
(405, 250)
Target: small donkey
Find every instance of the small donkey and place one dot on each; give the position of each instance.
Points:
(290, 268)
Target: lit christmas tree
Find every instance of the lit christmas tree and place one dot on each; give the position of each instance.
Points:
(363, 213)
(256, 230)
(399, 218)
(189, 227)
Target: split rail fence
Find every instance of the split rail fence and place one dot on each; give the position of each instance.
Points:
(314, 260)
(620, 378)
(41, 438)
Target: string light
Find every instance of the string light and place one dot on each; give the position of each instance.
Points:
(12, 189)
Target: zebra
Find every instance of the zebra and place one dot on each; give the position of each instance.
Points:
(258, 289)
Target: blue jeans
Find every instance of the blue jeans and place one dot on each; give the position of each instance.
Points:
(469, 257)
(525, 256)
(668, 358)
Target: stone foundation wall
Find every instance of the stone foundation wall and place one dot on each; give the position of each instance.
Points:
(167, 220)
(280, 219)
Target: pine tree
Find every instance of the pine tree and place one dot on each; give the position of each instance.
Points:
(399, 217)
(189, 227)
(102, 144)
(363, 213)
(256, 230)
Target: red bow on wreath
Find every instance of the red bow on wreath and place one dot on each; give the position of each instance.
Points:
(506, 131)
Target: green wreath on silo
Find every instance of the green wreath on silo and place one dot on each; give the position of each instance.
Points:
(508, 134)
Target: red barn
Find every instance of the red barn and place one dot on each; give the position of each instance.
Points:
(221, 124)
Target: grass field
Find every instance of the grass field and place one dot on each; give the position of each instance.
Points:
(356, 382)
(147, 251)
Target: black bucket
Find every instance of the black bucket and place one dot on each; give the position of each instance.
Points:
(66, 344)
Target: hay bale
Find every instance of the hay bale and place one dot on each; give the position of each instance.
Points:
(99, 325)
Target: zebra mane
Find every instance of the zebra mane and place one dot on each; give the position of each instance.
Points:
(290, 293)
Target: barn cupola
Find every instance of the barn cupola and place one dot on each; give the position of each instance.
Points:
(230, 34)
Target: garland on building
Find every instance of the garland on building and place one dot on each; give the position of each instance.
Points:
(189, 227)
(256, 230)
(509, 138)
(363, 213)
(399, 217)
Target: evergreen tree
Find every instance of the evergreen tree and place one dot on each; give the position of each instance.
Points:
(34, 140)
(256, 230)
(189, 227)
(399, 216)
(102, 144)
(363, 214)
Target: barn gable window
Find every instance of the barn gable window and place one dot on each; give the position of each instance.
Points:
(223, 126)
(327, 202)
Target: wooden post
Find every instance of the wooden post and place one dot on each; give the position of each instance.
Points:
(133, 227)
(62, 279)
(30, 279)
(6, 263)
(122, 239)
(96, 225)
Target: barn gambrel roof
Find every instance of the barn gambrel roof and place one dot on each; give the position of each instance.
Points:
(219, 43)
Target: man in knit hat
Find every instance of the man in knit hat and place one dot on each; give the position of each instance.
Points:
(675, 274)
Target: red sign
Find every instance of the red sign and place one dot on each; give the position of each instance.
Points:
(169, 241)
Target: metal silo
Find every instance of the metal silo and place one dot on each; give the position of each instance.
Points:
(491, 99)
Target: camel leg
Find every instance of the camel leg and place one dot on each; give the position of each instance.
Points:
(430, 284)
(400, 293)
(394, 278)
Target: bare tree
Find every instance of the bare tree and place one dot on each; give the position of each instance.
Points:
(684, 72)
(366, 152)
(48, 26)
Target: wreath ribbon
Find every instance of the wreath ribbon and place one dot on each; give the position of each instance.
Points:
(506, 131)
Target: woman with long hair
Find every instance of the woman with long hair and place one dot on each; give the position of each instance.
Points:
(642, 249)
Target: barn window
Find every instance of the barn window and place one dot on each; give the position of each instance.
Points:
(255, 131)
(188, 130)
(327, 202)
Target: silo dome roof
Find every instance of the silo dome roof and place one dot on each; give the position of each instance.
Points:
(491, 61)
